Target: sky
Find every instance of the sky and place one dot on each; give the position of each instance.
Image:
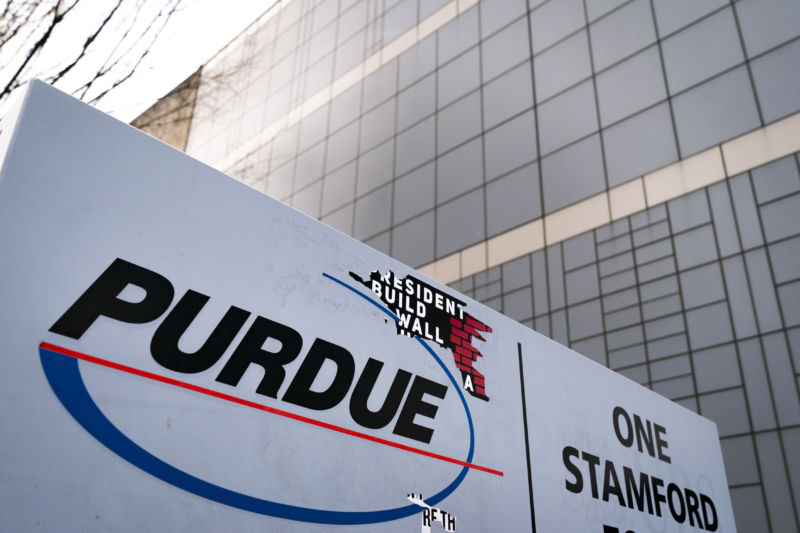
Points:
(193, 35)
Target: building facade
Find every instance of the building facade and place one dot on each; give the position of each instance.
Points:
(622, 176)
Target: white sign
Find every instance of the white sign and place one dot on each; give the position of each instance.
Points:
(184, 353)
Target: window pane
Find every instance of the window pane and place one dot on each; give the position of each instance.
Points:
(639, 144)
(459, 122)
(510, 145)
(458, 77)
(555, 20)
(373, 213)
(672, 15)
(413, 193)
(567, 117)
(458, 35)
(498, 13)
(779, 178)
(778, 81)
(572, 174)
(380, 85)
(460, 170)
(715, 111)
(412, 242)
(415, 146)
(562, 65)
(507, 95)
(506, 49)
(513, 200)
(702, 50)
(375, 167)
(338, 188)
(460, 223)
(767, 23)
(630, 86)
(622, 33)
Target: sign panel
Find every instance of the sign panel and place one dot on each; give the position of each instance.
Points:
(183, 352)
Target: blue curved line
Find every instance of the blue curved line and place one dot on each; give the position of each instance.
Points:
(433, 500)
(63, 374)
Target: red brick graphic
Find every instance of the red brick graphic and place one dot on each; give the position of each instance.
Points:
(465, 353)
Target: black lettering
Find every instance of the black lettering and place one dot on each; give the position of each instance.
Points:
(299, 391)
(611, 484)
(451, 523)
(661, 443)
(657, 496)
(359, 409)
(642, 435)
(577, 485)
(692, 508)
(593, 461)
(612, 529)
(708, 505)
(251, 351)
(415, 405)
(164, 346)
(672, 490)
(618, 412)
(102, 299)
(642, 495)
(426, 517)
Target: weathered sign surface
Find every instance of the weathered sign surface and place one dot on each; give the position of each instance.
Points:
(182, 353)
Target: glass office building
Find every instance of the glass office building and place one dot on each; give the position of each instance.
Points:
(621, 176)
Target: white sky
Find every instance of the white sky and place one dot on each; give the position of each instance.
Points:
(193, 35)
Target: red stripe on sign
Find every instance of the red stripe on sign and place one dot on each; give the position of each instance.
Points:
(272, 410)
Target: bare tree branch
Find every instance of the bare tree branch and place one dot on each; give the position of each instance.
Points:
(112, 48)
(89, 40)
(103, 71)
(11, 22)
(14, 81)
